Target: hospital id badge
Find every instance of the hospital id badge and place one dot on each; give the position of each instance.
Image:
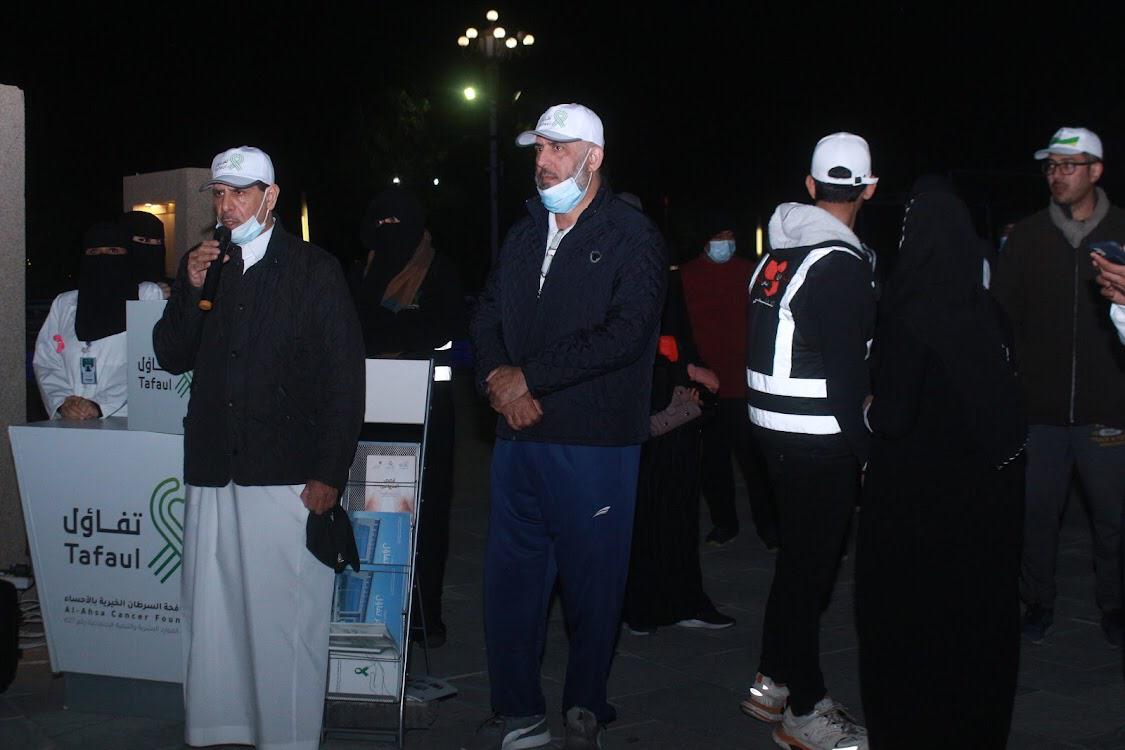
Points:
(89, 369)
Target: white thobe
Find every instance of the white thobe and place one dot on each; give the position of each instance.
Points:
(257, 606)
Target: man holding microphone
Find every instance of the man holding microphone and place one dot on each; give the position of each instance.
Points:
(276, 404)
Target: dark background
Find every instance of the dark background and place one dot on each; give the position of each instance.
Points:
(710, 104)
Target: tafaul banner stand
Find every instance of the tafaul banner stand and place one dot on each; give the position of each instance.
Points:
(370, 632)
(103, 502)
(104, 508)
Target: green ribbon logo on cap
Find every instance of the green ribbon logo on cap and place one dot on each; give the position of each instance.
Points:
(236, 162)
(1065, 141)
(560, 118)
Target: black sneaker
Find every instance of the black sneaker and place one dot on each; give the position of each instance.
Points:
(1112, 622)
(720, 536)
(711, 619)
(1037, 620)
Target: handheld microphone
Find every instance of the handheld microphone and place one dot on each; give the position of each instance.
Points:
(211, 280)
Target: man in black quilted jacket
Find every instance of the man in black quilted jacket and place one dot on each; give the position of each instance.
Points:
(565, 336)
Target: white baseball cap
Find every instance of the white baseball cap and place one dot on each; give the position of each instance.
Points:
(240, 167)
(1072, 141)
(845, 151)
(564, 123)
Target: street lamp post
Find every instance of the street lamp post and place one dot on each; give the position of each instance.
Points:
(495, 44)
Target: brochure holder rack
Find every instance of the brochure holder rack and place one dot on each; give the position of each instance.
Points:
(370, 630)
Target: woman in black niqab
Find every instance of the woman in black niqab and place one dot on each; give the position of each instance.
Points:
(410, 303)
(146, 244)
(105, 282)
(938, 543)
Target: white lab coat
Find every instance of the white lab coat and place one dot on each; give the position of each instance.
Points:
(58, 359)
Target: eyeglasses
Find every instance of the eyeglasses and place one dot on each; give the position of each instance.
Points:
(1064, 167)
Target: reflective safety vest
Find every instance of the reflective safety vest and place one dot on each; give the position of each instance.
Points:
(787, 387)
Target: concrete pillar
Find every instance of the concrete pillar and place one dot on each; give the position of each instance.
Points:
(13, 313)
(174, 197)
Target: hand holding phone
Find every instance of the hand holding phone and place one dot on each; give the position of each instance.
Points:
(1109, 250)
(1109, 267)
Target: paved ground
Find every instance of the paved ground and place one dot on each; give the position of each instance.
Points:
(678, 688)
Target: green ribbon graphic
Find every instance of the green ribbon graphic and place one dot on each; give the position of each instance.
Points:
(169, 526)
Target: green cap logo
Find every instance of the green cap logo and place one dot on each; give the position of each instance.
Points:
(1072, 141)
(560, 117)
(236, 162)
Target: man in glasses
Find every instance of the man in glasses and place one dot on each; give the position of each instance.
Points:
(1073, 368)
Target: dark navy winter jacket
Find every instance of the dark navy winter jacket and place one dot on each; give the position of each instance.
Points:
(587, 342)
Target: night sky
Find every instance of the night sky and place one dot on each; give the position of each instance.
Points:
(716, 104)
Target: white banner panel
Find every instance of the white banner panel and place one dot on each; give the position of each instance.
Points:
(104, 508)
(157, 399)
(396, 390)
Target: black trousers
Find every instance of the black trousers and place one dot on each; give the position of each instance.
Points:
(729, 433)
(437, 493)
(816, 496)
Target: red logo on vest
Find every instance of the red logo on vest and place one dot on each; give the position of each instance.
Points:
(772, 276)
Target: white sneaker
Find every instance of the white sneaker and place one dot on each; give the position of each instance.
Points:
(510, 733)
(828, 727)
(766, 700)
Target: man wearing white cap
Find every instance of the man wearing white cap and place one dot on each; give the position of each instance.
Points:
(564, 335)
(812, 314)
(1072, 367)
(270, 433)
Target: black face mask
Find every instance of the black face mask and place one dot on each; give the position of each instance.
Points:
(393, 242)
(397, 241)
(148, 260)
(105, 283)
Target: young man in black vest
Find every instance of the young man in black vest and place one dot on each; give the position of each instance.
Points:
(812, 312)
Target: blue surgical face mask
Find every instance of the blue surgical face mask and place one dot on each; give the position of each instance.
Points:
(563, 197)
(720, 251)
(248, 230)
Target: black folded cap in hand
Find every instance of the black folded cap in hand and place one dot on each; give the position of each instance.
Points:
(330, 538)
